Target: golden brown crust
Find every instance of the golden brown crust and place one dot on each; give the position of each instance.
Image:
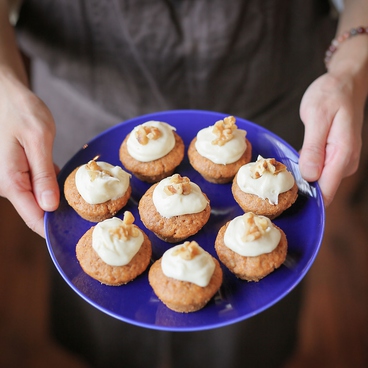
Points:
(95, 267)
(156, 170)
(182, 296)
(92, 212)
(174, 229)
(250, 268)
(217, 173)
(253, 203)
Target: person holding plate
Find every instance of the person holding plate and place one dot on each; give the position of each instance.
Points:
(96, 63)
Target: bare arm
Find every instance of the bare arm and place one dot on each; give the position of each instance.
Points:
(28, 177)
(333, 106)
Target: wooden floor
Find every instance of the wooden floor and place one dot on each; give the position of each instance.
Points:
(334, 323)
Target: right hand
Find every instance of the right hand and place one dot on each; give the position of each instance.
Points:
(28, 175)
(332, 111)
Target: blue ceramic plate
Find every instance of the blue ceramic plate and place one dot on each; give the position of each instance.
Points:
(237, 300)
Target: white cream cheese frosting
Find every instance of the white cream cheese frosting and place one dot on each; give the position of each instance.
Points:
(222, 143)
(176, 203)
(250, 235)
(112, 244)
(158, 140)
(268, 185)
(188, 262)
(98, 182)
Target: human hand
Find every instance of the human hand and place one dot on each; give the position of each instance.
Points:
(28, 177)
(332, 111)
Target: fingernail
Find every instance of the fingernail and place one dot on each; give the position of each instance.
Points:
(48, 200)
(310, 171)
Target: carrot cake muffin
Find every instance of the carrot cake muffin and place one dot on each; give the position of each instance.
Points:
(174, 209)
(152, 151)
(97, 190)
(251, 246)
(264, 187)
(218, 151)
(186, 277)
(114, 251)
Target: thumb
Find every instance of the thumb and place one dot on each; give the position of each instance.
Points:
(30, 185)
(46, 190)
(317, 119)
(312, 155)
(43, 177)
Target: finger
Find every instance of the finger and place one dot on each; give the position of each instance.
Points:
(329, 185)
(312, 155)
(26, 205)
(342, 156)
(17, 187)
(332, 174)
(42, 172)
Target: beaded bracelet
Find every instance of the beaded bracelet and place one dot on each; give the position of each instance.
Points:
(336, 42)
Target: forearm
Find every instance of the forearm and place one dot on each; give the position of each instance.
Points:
(11, 62)
(354, 14)
(351, 57)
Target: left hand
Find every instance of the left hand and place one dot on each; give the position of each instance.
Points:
(332, 111)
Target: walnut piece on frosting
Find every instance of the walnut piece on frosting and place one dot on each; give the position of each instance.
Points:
(266, 165)
(188, 250)
(127, 230)
(178, 185)
(224, 129)
(94, 170)
(145, 133)
(255, 226)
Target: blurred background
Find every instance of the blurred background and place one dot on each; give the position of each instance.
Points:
(334, 320)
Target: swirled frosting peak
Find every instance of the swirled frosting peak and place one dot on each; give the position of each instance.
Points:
(150, 141)
(222, 143)
(98, 182)
(266, 178)
(251, 235)
(188, 262)
(177, 195)
(117, 241)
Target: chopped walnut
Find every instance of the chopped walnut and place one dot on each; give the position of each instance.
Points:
(127, 229)
(187, 251)
(255, 226)
(224, 129)
(178, 185)
(145, 133)
(94, 170)
(266, 165)
(128, 218)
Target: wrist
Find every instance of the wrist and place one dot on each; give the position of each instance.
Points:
(350, 62)
(11, 60)
(10, 75)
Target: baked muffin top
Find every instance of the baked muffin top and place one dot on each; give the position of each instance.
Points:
(188, 262)
(117, 241)
(98, 182)
(222, 143)
(265, 178)
(251, 235)
(150, 141)
(177, 195)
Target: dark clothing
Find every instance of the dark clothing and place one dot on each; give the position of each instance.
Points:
(96, 63)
